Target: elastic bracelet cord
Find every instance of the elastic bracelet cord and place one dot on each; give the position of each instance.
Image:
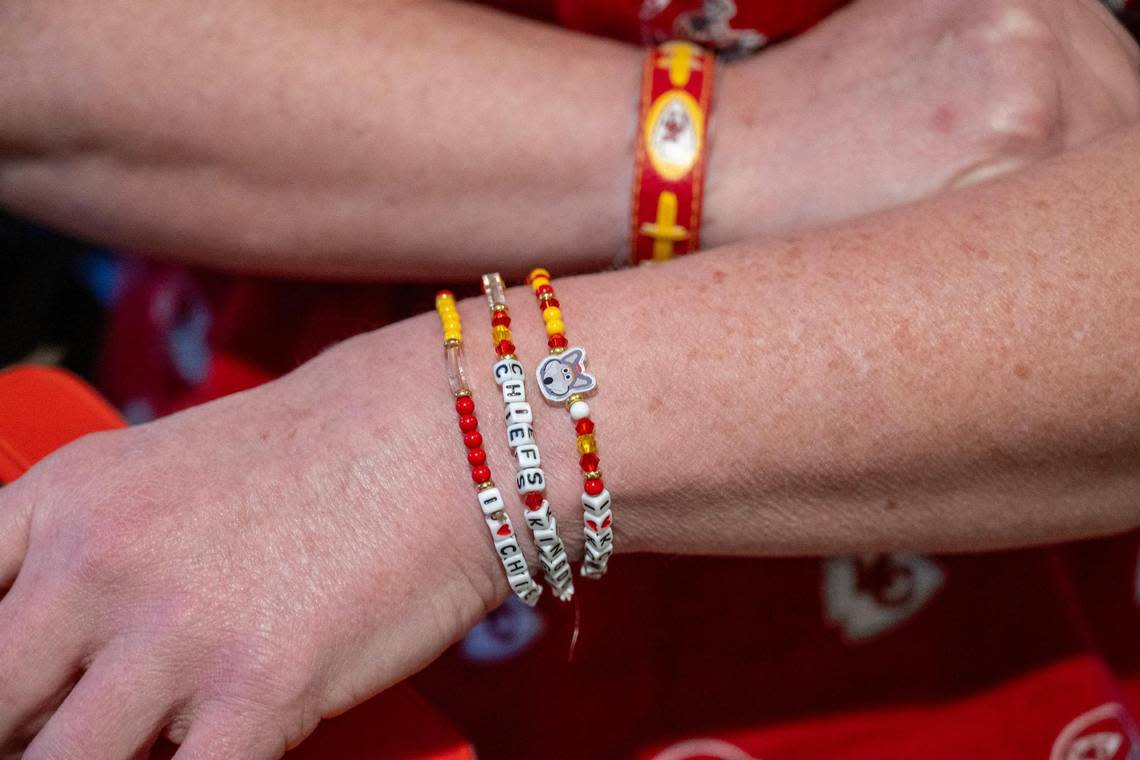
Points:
(490, 500)
(564, 381)
(531, 480)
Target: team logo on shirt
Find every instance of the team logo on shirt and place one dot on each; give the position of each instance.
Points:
(868, 596)
(1102, 733)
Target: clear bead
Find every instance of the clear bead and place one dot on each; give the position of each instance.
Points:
(495, 290)
(456, 375)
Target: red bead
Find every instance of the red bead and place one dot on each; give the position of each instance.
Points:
(546, 303)
(481, 474)
(473, 440)
(464, 405)
(533, 500)
(544, 290)
(447, 293)
(468, 422)
(557, 340)
(476, 456)
(584, 426)
(504, 348)
(594, 486)
(504, 530)
(501, 319)
(589, 462)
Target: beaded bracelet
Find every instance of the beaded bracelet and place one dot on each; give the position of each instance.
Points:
(563, 381)
(531, 480)
(490, 500)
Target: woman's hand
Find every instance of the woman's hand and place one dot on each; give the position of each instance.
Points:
(229, 575)
(891, 101)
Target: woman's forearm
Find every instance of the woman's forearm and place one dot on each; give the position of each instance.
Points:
(386, 139)
(958, 375)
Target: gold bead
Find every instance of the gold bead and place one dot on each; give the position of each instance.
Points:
(451, 341)
(592, 475)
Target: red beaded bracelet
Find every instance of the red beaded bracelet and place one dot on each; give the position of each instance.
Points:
(564, 381)
(490, 500)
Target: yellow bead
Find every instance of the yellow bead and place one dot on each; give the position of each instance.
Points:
(552, 313)
(555, 327)
(587, 444)
(500, 333)
(539, 272)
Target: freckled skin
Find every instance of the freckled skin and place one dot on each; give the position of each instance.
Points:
(229, 591)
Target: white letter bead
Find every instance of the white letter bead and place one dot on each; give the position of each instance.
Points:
(547, 537)
(539, 518)
(520, 582)
(530, 598)
(520, 434)
(507, 547)
(507, 369)
(554, 565)
(579, 410)
(531, 479)
(596, 504)
(515, 564)
(491, 501)
(513, 390)
(598, 522)
(519, 411)
(528, 456)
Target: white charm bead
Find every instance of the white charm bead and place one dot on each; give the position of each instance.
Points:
(519, 412)
(520, 434)
(513, 391)
(530, 480)
(579, 410)
(491, 501)
(598, 522)
(507, 369)
(596, 504)
(528, 456)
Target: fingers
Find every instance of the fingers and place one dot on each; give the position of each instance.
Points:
(40, 656)
(109, 715)
(224, 733)
(15, 521)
